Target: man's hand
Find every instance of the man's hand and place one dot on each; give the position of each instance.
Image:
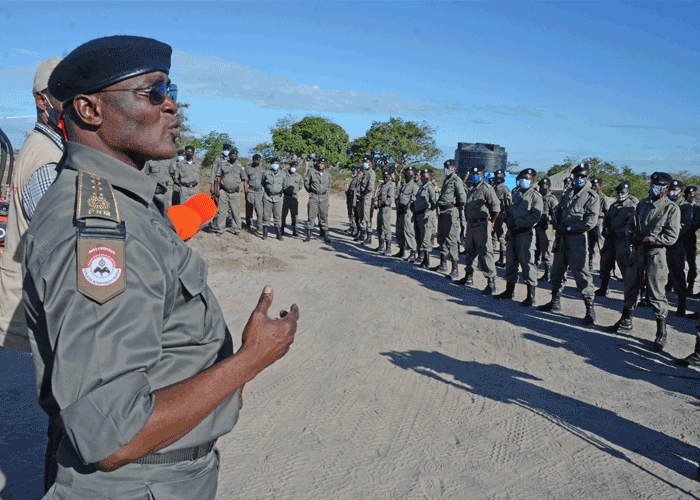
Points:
(212, 190)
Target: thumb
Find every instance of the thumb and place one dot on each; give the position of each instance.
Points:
(265, 300)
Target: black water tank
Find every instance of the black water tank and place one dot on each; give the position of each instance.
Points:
(468, 155)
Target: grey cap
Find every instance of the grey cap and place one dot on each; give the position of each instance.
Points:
(43, 72)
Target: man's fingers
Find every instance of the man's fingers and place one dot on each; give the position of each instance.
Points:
(293, 314)
(265, 300)
(283, 313)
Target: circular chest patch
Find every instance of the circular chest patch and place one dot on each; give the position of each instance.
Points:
(101, 270)
(161, 230)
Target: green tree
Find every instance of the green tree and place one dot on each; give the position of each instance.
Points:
(397, 144)
(186, 135)
(212, 143)
(266, 150)
(312, 137)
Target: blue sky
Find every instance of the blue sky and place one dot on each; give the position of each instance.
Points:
(545, 80)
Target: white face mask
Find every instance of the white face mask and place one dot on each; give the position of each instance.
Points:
(293, 169)
(180, 158)
(448, 172)
(366, 165)
(275, 166)
(226, 153)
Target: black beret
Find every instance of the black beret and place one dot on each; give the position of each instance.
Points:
(100, 63)
(320, 160)
(545, 182)
(691, 190)
(596, 182)
(661, 178)
(181, 151)
(387, 173)
(274, 159)
(499, 172)
(189, 147)
(450, 163)
(366, 158)
(568, 179)
(623, 186)
(294, 162)
(409, 170)
(256, 157)
(580, 169)
(527, 171)
(234, 150)
(226, 146)
(676, 184)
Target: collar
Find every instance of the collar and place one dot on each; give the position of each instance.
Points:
(123, 177)
(50, 133)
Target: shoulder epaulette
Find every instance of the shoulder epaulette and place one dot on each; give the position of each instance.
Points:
(96, 198)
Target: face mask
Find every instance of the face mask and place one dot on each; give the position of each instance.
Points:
(189, 155)
(365, 165)
(579, 182)
(226, 153)
(448, 172)
(690, 199)
(386, 179)
(674, 197)
(542, 191)
(656, 190)
(476, 179)
(622, 196)
(275, 166)
(180, 158)
(256, 163)
(292, 170)
(424, 180)
(524, 183)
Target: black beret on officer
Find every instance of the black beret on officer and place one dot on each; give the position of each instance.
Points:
(581, 169)
(257, 157)
(676, 184)
(595, 182)
(691, 190)
(527, 171)
(545, 182)
(226, 146)
(661, 178)
(294, 163)
(475, 170)
(449, 163)
(320, 160)
(367, 158)
(623, 186)
(499, 172)
(100, 63)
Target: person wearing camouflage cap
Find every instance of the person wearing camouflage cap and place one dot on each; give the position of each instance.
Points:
(690, 240)
(295, 183)
(365, 192)
(253, 190)
(385, 199)
(405, 229)
(499, 228)
(543, 229)
(351, 200)
(318, 184)
(616, 249)
(576, 214)
(675, 253)
(656, 224)
(521, 216)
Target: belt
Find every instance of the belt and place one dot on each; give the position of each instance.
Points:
(446, 206)
(255, 190)
(290, 195)
(320, 193)
(419, 212)
(232, 191)
(189, 185)
(170, 457)
(481, 219)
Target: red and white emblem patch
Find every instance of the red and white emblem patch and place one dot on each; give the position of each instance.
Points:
(101, 268)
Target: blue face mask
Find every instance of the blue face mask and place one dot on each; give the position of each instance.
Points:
(579, 182)
(674, 197)
(656, 190)
(275, 166)
(366, 165)
(476, 179)
(180, 158)
(524, 183)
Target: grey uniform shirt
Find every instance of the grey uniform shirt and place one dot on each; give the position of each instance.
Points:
(367, 182)
(98, 364)
(231, 176)
(452, 193)
(216, 165)
(686, 218)
(294, 184)
(504, 195)
(188, 174)
(426, 198)
(385, 198)
(578, 210)
(274, 184)
(317, 183)
(255, 175)
(549, 205)
(407, 195)
(481, 201)
(159, 170)
(525, 209)
(618, 215)
(660, 220)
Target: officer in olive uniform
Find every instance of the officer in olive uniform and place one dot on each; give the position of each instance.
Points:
(655, 225)
(424, 211)
(595, 235)
(219, 160)
(568, 184)
(499, 229)
(522, 214)
(274, 182)
(159, 170)
(130, 346)
(452, 198)
(290, 205)
(405, 230)
(364, 198)
(357, 209)
(675, 253)
(351, 200)
(318, 184)
(382, 204)
(188, 173)
(543, 229)
(576, 214)
(254, 194)
(230, 175)
(690, 240)
(482, 210)
(616, 249)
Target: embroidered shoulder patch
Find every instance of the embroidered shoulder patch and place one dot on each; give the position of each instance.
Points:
(101, 268)
(161, 230)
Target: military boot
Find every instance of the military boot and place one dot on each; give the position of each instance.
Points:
(368, 238)
(454, 270)
(308, 234)
(282, 231)
(530, 299)
(326, 237)
(351, 228)
(412, 257)
(360, 236)
(442, 267)
(401, 252)
(545, 276)
(387, 250)
(507, 294)
(380, 248)
(425, 262)
(589, 318)
(294, 232)
(694, 358)
(280, 234)
(680, 310)
(490, 287)
(264, 236)
(603, 290)
(501, 260)
(554, 304)
(661, 335)
(624, 324)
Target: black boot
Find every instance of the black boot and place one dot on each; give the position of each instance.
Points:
(387, 250)
(264, 233)
(660, 340)
(360, 235)
(490, 288)
(694, 358)
(425, 262)
(554, 304)
(443, 265)
(294, 232)
(380, 248)
(282, 230)
(280, 233)
(308, 234)
(501, 260)
(454, 270)
(368, 238)
(326, 238)
(530, 299)
(603, 290)
(624, 324)
(412, 257)
(545, 276)
(590, 264)
(507, 294)
(400, 253)
(680, 310)
(589, 318)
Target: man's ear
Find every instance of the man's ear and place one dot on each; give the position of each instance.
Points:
(89, 108)
(41, 101)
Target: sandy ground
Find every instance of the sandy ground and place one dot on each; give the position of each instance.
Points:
(401, 385)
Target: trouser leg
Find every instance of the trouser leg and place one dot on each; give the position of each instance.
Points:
(323, 213)
(277, 214)
(526, 256)
(482, 237)
(409, 231)
(451, 234)
(657, 277)
(578, 262)
(267, 212)
(386, 224)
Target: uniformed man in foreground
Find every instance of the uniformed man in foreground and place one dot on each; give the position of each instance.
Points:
(543, 230)
(129, 343)
(405, 229)
(229, 177)
(654, 226)
(351, 200)
(616, 248)
(365, 192)
(499, 228)
(524, 211)
(576, 214)
(385, 199)
(452, 198)
(690, 240)
(290, 204)
(424, 211)
(318, 184)
(274, 182)
(188, 173)
(254, 194)
(482, 210)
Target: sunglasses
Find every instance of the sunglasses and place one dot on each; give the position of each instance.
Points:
(156, 93)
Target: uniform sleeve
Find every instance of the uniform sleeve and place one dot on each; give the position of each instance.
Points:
(534, 214)
(590, 216)
(460, 192)
(670, 229)
(493, 201)
(307, 182)
(101, 352)
(686, 219)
